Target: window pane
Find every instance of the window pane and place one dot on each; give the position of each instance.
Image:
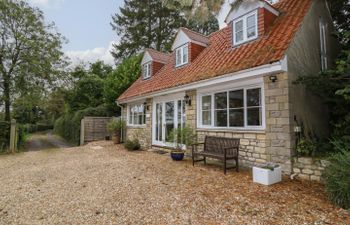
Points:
(130, 115)
(185, 54)
(239, 36)
(206, 117)
(206, 102)
(254, 116)
(221, 100)
(239, 26)
(253, 97)
(236, 99)
(251, 32)
(220, 118)
(251, 21)
(178, 56)
(236, 118)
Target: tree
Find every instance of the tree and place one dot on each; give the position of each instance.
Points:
(200, 10)
(30, 51)
(203, 27)
(144, 24)
(120, 79)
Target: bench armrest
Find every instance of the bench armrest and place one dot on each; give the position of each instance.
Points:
(194, 147)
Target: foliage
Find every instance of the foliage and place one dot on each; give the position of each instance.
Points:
(4, 135)
(132, 145)
(120, 79)
(182, 137)
(337, 176)
(144, 24)
(203, 27)
(68, 125)
(116, 125)
(306, 147)
(30, 52)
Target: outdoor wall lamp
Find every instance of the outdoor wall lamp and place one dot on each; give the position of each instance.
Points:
(187, 100)
(146, 106)
(273, 78)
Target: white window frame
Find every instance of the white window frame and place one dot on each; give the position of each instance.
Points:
(146, 70)
(132, 122)
(244, 19)
(323, 44)
(181, 50)
(246, 126)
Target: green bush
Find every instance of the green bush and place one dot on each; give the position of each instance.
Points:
(306, 147)
(337, 175)
(4, 135)
(68, 125)
(132, 145)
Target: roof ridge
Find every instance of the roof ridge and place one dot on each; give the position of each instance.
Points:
(195, 32)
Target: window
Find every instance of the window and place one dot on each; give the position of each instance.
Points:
(146, 70)
(181, 55)
(240, 108)
(245, 28)
(137, 114)
(323, 41)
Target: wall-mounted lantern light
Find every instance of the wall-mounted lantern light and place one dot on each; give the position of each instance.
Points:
(273, 78)
(146, 106)
(187, 100)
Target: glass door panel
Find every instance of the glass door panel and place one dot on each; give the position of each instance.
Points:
(159, 122)
(169, 119)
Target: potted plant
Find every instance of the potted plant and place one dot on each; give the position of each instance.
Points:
(267, 175)
(181, 138)
(115, 127)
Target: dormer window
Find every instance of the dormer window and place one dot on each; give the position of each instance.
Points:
(245, 28)
(146, 70)
(181, 55)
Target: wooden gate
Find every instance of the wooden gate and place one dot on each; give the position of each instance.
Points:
(94, 129)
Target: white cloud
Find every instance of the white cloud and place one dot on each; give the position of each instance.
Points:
(92, 55)
(47, 3)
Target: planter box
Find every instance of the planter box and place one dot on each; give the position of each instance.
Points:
(267, 176)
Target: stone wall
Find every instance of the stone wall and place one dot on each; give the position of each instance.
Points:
(308, 168)
(279, 121)
(142, 133)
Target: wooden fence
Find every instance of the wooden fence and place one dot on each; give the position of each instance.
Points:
(94, 129)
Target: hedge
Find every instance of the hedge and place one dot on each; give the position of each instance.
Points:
(68, 125)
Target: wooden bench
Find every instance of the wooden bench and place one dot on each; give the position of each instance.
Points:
(220, 148)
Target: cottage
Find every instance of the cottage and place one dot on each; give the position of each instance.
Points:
(238, 81)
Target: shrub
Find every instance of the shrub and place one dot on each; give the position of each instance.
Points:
(116, 125)
(68, 125)
(337, 176)
(132, 145)
(306, 147)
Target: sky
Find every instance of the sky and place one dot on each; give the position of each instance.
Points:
(86, 25)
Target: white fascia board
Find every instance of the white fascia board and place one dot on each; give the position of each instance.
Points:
(181, 39)
(260, 71)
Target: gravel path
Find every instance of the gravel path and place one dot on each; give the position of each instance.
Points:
(44, 141)
(104, 184)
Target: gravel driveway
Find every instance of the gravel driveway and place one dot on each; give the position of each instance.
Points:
(104, 184)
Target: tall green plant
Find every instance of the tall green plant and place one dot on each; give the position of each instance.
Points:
(337, 176)
(182, 137)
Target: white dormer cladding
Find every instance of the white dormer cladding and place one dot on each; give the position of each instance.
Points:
(182, 38)
(248, 6)
(146, 58)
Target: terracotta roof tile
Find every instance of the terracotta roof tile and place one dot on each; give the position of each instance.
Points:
(220, 58)
(195, 36)
(158, 56)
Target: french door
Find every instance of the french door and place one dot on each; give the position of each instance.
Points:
(167, 116)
